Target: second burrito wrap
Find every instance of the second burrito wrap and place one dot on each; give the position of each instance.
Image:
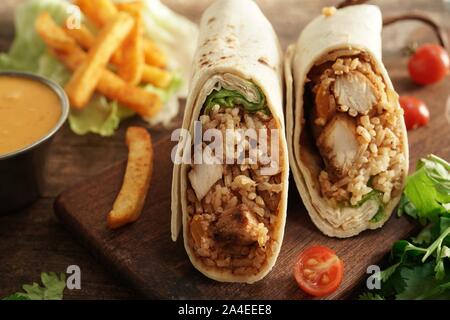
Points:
(347, 140)
(233, 214)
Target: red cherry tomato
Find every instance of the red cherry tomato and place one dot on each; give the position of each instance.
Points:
(318, 271)
(429, 64)
(416, 113)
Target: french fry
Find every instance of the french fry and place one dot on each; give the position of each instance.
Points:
(153, 54)
(150, 74)
(85, 78)
(131, 64)
(110, 85)
(102, 11)
(130, 201)
(44, 24)
(156, 76)
(144, 103)
(82, 36)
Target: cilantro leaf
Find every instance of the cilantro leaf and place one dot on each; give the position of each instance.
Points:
(418, 280)
(387, 273)
(16, 296)
(421, 284)
(53, 288)
(424, 237)
(419, 268)
(370, 296)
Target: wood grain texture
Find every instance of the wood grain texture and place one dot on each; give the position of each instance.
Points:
(144, 254)
(33, 241)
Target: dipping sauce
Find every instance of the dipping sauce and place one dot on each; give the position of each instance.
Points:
(29, 110)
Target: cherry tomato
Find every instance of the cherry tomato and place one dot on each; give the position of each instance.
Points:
(429, 64)
(318, 271)
(416, 113)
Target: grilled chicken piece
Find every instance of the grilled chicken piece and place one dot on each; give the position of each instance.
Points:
(198, 229)
(270, 200)
(240, 225)
(355, 91)
(203, 177)
(323, 108)
(338, 144)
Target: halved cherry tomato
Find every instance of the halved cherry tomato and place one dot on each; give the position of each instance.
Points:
(416, 112)
(318, 271)
(429, 64)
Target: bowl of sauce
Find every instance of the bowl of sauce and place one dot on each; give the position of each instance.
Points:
(32, 110)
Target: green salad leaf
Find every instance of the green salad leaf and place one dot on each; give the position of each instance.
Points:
(420, 268)
(100, 117)
(427, 192)
(52, 289)
(229, 98)
(372, 195)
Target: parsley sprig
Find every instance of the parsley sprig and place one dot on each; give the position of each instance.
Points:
(420, 268)
(52, 289)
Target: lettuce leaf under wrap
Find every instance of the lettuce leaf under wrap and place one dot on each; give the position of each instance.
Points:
(29, 53)
(228, 98)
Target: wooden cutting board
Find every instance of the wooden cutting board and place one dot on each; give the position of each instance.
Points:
(144, 254)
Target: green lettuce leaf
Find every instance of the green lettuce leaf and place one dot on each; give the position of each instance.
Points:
(229, 98)
(100, 117)
(27, 48)
(427, 191)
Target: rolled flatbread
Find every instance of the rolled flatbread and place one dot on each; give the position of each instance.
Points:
(347, 140)
(233, 214)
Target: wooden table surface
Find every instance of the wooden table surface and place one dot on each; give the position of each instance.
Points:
(33, 240)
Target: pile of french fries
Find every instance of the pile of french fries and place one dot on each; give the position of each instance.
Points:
(113, 61)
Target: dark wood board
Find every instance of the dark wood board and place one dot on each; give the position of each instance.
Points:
(144, 254)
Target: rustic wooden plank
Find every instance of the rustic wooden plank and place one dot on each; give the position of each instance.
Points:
(34, 241)
(144, 254)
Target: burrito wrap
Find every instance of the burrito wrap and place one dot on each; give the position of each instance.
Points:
(349, 32)
(237, 44)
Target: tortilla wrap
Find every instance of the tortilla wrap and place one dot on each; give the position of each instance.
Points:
(238, 51)
(352, 33)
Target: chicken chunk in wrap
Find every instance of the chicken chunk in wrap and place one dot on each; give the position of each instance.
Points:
(233, 207)
(347, 138)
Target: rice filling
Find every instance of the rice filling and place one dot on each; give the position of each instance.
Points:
(355, 126)
(232, 225)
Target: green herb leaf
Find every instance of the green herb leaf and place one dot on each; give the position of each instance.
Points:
(53, 288)
(370, 296)
(16, 296)
(425, 237)
(387, 273)
(412, 274)
(418, 280)
(421, 284)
